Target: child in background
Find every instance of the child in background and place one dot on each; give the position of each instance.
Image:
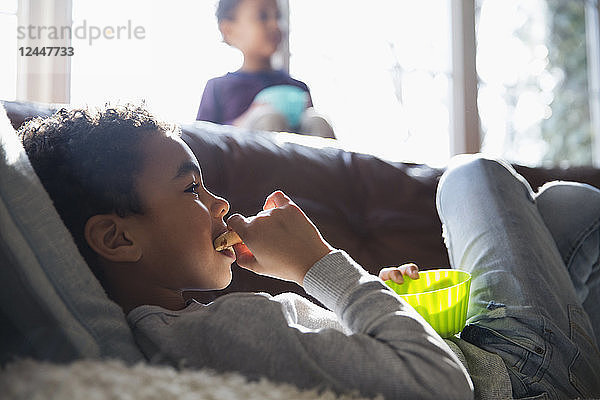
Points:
(252, 27)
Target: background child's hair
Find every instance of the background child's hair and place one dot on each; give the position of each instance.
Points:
(87, 161)
(226, 9)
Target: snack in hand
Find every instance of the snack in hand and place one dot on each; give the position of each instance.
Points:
(226, 240)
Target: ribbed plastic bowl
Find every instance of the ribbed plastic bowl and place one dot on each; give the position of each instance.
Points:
(441, 296)
(287, 99)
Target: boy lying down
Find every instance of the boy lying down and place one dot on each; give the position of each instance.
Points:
(131, 193)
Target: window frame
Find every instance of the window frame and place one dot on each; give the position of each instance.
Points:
(32, 72)
(465, 133)
(592, 30)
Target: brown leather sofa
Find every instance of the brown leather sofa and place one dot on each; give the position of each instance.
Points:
(382, 213)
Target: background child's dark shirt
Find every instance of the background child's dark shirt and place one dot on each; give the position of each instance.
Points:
(227, 97)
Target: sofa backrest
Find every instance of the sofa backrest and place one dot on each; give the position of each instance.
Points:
(383, 213)
(51, 305)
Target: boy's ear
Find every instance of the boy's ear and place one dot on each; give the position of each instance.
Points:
(107, 236)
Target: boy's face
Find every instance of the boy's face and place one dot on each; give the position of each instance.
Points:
(255, 28)
(180, 220)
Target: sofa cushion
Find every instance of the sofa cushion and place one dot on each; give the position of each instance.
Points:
(51, 305)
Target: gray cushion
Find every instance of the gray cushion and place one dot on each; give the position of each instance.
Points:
(51, 305)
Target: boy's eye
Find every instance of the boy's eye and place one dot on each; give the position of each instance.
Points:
(193, 188)
(265, 15)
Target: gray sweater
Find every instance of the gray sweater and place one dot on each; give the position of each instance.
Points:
(371, 341)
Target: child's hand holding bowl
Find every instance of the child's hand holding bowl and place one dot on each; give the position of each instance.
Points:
(441, 296)
(397, 274)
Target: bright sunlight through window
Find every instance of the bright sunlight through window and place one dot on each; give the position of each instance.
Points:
(380, 73)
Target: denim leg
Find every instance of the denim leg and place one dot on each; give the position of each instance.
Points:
(571, 211)
(523, 304)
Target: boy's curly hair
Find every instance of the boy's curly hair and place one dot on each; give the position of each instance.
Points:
(88, 160)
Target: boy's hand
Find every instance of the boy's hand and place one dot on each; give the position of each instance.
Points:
(397, 274)
(279, 241)
(242, 120)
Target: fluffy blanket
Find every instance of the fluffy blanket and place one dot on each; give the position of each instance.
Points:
(96, 380)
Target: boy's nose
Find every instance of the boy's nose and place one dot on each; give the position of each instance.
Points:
(220, 207)
(276, 31)
(274, 23)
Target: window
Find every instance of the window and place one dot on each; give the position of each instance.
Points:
(180, 50)
(8, 49)
(534, 93)
(383, 93)
(380, 70)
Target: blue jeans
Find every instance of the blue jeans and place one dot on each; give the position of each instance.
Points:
(534, 260)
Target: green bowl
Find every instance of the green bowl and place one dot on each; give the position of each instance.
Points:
(441, 296)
